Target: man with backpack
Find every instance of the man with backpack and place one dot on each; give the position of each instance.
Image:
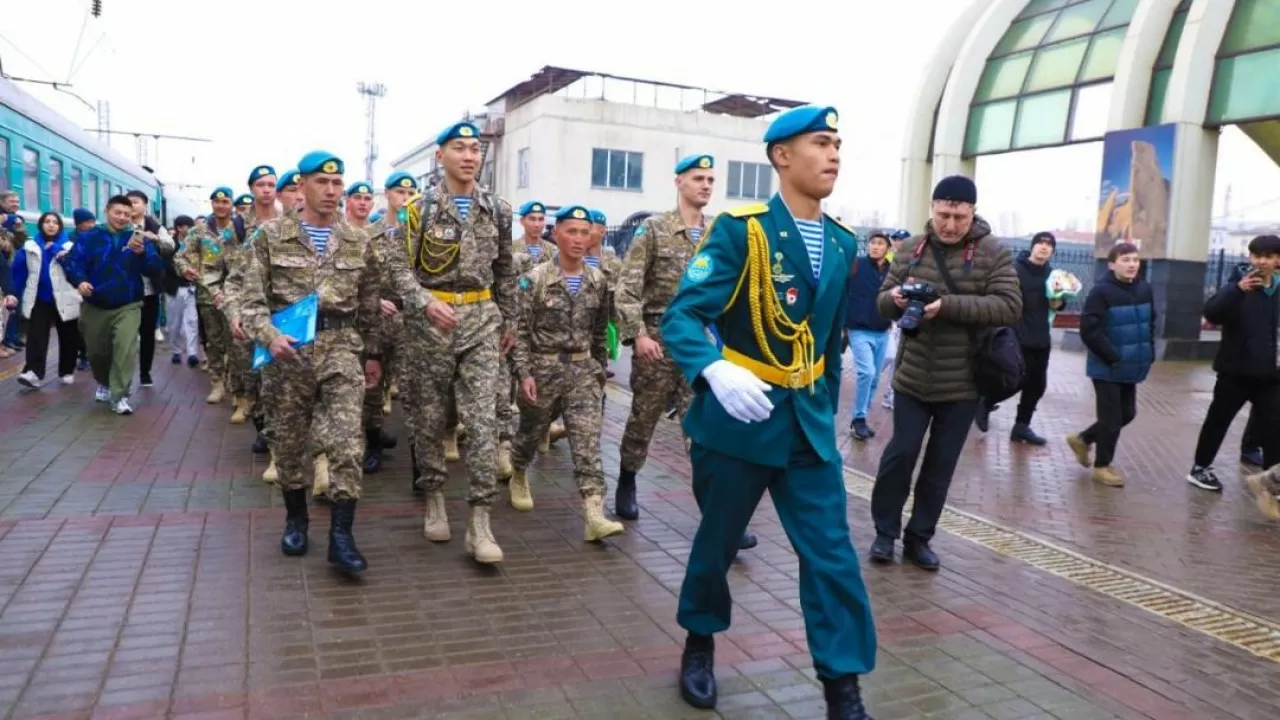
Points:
(945, 289)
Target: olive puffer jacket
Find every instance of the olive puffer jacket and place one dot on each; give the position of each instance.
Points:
(936, 364)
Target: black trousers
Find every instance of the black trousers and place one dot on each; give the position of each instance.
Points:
(1037, 380)
(1230, 394)
(947, 424)
(44, 320)
(1252, 439)
(147, 333)
(1117, 406)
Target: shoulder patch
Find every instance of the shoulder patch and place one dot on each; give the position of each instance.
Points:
(639, 231)
(840, 223)
(700, 268)
(525, 283)
(749, 210)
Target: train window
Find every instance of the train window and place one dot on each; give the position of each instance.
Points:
(30, 179)
(106, 195)
(4, 163)
(119, 190)
(93, 195)
(55, 185)
(77, 189)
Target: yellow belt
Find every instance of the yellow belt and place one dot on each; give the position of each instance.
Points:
(793, 380)
(470, 297)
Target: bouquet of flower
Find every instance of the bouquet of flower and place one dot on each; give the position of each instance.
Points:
(1061, 285)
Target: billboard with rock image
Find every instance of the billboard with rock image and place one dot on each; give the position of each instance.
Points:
(1137, 182)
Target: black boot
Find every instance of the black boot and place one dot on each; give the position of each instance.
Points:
(414, 472)
(260, 442)
(372, 450)
(1023, 433)
(342, 545)
(918, 552)
(748, 541)
(296, 520)
(844, 699)
(624, 497)
(882, 550)
(387, 440)
(698, 671)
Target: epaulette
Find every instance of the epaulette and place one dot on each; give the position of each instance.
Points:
(841, 223)
(749, 210)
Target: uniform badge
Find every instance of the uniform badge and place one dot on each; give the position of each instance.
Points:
(704, 163)
(449, 234)
(639, 230)
(464, 131)
(779, 276)
(525, 284)
(831, 120)
(792, 296)
(406, 182)
(329, 167)
(699, 268)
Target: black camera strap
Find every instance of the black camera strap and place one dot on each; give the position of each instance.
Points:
(940, 258)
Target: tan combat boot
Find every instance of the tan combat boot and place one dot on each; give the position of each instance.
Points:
(1080, 449)
(204, 365)
(1264, 487)
(217, 391)
(271, 474)
(544, 446)
(599, 527)
(320, 488)
(241, 412)
(556, 432)
(393, 390)
(480, 542)
(451, 446)
(435, 521)
(504, 460)
(1108, 476)
(386, 403)
(521, 498)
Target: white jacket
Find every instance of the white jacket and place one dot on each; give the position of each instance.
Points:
(64, 294)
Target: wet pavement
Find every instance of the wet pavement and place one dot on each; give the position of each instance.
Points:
(140, 577)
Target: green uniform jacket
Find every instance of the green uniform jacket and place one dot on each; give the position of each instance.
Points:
(705, 290)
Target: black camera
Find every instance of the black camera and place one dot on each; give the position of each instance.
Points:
(918, 294)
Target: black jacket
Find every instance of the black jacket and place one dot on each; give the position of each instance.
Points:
(1248, 321)
(1033, 327)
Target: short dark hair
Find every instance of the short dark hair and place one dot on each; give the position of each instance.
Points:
(1265, 245)
(1044, 236)
(1121, 248)
(881, 235)
(137, 194)
(183, 221)
(120, 200)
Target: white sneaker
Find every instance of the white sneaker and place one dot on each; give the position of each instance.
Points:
(29, 380)
(68, 379)
(122, 407)
(159, 335)
(102, 395)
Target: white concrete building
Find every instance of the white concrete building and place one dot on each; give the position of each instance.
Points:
(610, 143)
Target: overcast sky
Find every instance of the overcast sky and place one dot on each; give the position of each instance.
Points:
(268, 80)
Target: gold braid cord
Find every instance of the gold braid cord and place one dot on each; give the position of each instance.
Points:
(768, 318)
(433, 257)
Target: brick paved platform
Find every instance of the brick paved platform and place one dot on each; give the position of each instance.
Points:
(140, 577)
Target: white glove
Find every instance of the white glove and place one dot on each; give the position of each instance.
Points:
(740, 393)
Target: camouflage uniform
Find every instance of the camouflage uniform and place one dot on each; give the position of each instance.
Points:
(244, 380)
(650, 275)
(205, 251)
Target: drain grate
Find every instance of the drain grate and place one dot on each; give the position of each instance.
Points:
(1249, 632)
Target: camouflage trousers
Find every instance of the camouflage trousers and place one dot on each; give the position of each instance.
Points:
(217, 342)
(375, 397)
(462, 365)
(571, 390)
(242, 379)
(507, 391)
(653, 383)
(316, 401)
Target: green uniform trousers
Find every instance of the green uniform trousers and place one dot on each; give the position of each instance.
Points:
(111, 342)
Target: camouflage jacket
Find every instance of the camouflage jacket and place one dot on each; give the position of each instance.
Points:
(283, 268)
(651, 272)
(524, 260)
(449, 254)
(554, 321)
(237, 261)
(205, 251)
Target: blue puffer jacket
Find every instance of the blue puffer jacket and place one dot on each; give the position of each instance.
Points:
(1118, 328)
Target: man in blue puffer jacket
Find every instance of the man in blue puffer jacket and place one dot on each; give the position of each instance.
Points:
(1118, 329)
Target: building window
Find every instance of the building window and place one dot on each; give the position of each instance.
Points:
(77, 189)
(55, 185)
(617, 169)
(93, 195)
(522, 168)
(750, 181)
(30, 179)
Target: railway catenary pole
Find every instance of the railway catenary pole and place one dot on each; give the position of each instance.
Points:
(371, 91)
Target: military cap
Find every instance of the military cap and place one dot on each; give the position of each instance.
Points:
(260, 172)
(401, 179)
(245, 199)
(464, 129)
(801, 120)
(360, 187)
(288, 179)
(318, 161)
(573, 212)
(701, 162)
(222, 192)
(597, 218)
(533, 206)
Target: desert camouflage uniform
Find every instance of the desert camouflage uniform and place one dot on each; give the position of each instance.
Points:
(650, 275)
(244, 380)
(205, 251)
(323, 389)
(375, 397)
(524, 261)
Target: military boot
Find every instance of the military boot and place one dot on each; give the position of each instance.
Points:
(296, 521)
(393, 390)
(1265, 487)
(521, 498)
(271, 474)
(260, 442)
(372, 451)
(556, 432)
(544, 445)
(217, 391)
(342, 544)
(624, 497)
(435, 521)
(480, 542)
(388, 440)
(415, 472)
(241, 412)
(386, 403)
(320, 486)
(451, 445)
(599, 527)
(505, 470)
(844, 699)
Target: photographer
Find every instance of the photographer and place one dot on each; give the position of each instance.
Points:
(944, 289)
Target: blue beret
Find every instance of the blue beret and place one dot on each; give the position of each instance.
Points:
(245, 199)
(573, 212)
(401, 179)
(464, 129)
(289, 178)
(597, 218)
(222, 192)
(533, 206)
(801, 120)
(260, 172)
(359, 187)
(702, 162)
(321, 161)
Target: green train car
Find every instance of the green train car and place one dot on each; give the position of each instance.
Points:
(55, 166)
